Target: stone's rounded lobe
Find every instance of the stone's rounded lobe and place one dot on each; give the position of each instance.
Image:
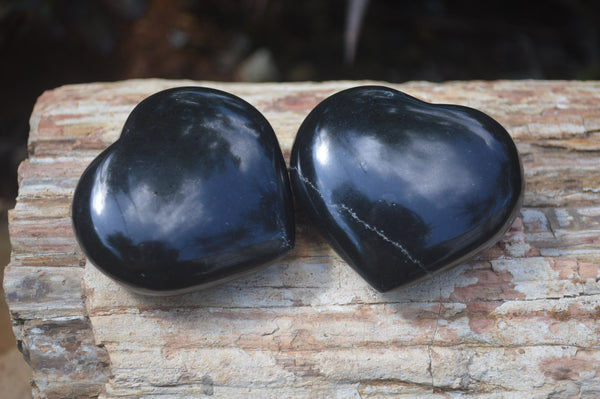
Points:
(402, 188)
(195, 191)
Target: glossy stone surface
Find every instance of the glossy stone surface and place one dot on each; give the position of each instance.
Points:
(401, 188)
(194, 192)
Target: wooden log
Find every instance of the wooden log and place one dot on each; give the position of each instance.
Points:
(520, 320)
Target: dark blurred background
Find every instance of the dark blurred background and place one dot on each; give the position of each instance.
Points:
(48, 43)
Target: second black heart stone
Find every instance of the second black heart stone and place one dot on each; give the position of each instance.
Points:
(195, 191)
(402, 188)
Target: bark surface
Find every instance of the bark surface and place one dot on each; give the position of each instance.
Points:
(520, 320)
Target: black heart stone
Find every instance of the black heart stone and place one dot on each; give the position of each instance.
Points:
(195, 191)
(402, 188)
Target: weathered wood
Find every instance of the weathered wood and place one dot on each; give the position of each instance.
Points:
(521, 320)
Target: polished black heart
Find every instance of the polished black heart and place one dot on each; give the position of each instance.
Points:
(401, 188)
(195, 191)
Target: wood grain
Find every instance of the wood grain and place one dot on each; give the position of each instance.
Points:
(520, 320)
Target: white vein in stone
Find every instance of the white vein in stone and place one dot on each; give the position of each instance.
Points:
(365, 224)
(384, 237)
(309, 183)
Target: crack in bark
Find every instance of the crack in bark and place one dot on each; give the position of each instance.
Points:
(550, 227)
(128, 310)
(435, 330)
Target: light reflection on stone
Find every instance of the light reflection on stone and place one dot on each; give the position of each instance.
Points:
(408, 188)
(194, 192)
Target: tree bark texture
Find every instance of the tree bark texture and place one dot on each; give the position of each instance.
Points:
(521, 320)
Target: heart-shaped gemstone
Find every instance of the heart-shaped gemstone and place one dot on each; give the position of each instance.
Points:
(195, 191)
(402, 188)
